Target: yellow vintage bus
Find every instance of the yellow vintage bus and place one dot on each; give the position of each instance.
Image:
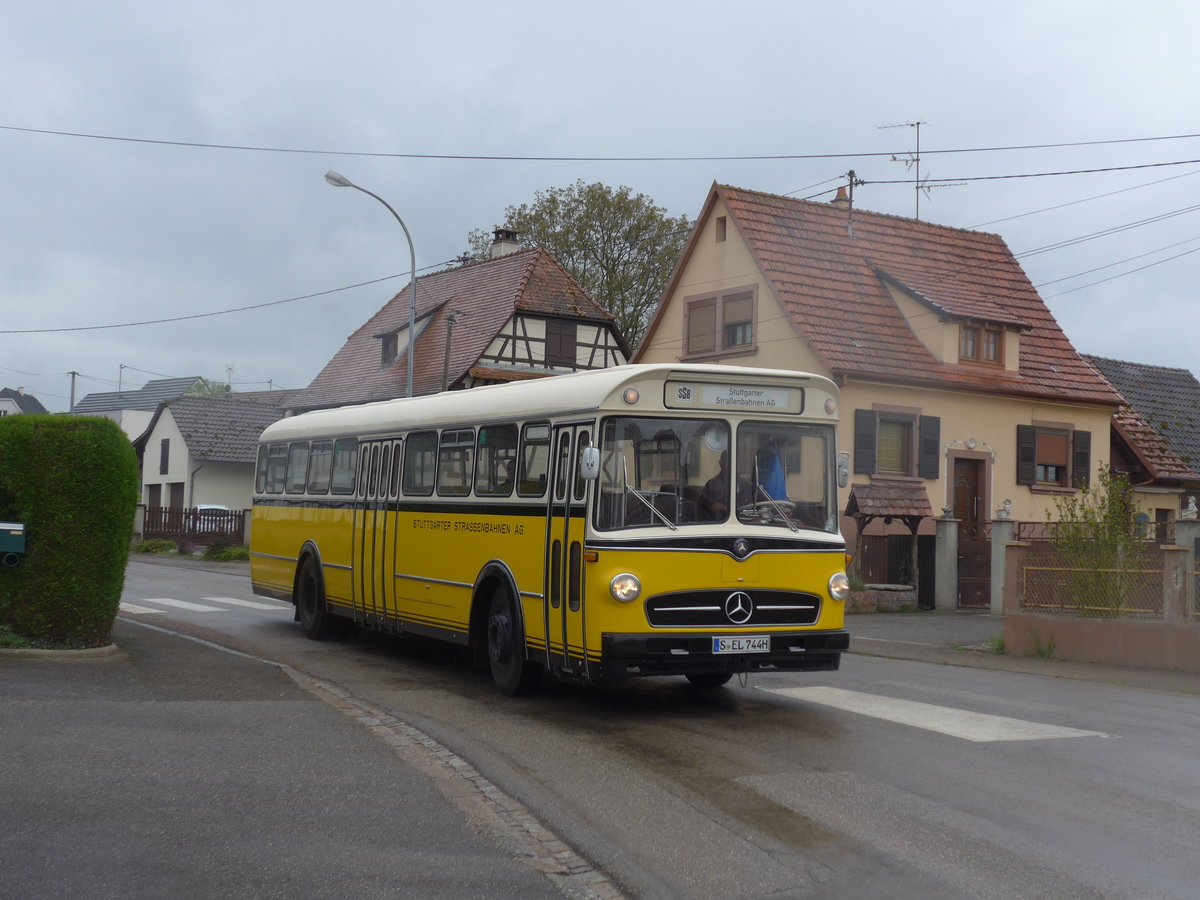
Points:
(637, 520)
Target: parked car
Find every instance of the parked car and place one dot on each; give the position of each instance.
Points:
(212, 518)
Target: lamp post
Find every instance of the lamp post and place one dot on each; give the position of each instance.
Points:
(342, 181)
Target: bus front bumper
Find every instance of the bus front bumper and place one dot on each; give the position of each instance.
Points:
(627, 655)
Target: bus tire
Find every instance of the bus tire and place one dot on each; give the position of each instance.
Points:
(310, 602)
(511, 671)
(709, 679)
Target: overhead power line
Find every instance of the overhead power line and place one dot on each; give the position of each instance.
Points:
(206, 315)
(1181, 162)
(1122, 274)
(517, 158)
(1135, 187)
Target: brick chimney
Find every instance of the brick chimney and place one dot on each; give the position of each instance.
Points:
(842, 200)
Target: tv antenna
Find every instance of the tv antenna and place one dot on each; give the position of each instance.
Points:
(913, 159)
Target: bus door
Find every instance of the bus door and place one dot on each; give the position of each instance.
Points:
(564, 603)
(374, 541)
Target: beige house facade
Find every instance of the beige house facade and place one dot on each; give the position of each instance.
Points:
(961, 397)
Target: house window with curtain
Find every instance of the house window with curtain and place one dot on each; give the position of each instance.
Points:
(720, 324)
(896, 444)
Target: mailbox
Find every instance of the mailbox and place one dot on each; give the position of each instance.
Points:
(12, 542)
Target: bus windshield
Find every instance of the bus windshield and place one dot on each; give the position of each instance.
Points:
(666, 472)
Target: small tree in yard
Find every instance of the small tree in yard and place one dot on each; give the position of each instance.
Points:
(1099, 543)
(73, 482)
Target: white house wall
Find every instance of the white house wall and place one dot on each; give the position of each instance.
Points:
(205, 481)
(223, 483)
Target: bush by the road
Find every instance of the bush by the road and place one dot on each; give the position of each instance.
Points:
(73, 481)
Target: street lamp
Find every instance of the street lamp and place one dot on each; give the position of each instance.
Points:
(342, 181)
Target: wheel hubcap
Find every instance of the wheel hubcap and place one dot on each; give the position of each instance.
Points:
(499, 639)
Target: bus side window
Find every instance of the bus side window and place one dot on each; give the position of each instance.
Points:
(394, 478)
(455, 458)
(320, 467)
(562, 467)
(345, 455)
(535, 461)
(260, 475)
(496, 461)
(297, 467)
(385, 466)
(580, 483)
(419, 456)
(276, 468)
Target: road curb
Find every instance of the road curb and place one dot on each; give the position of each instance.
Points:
(106, 652)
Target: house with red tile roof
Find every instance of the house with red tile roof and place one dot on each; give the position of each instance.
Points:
(960, 393)
(1155, 438)
(516, 315)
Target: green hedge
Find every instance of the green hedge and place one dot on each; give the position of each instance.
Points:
(74, 482)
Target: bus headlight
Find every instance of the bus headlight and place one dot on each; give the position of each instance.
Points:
(625, 587)
(839, 586)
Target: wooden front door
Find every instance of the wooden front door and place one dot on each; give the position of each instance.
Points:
(974, 535)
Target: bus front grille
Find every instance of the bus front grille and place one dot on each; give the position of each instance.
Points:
(732, 609)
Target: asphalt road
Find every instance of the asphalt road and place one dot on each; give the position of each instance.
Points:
(891, 778)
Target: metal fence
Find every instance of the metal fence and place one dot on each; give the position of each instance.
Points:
(1044, 532)
(1133, 589)
(197, 526)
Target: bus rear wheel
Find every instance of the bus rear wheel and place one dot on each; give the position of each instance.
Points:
(511, 671)
(709, 679)
(310, 603)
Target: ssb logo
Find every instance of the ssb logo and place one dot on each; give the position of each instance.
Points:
(683, 394)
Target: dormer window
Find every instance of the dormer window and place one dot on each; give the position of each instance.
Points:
(387, 349)
(981, 343)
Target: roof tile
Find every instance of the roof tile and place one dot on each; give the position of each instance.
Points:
(460, 309)
(831, 279)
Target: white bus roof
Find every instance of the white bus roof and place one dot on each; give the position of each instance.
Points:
(556, 395)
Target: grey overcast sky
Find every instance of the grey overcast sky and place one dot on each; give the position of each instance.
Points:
(114, 213)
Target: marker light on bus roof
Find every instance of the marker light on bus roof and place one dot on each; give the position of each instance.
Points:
(625, 587)
(631, 396)
(830, 406)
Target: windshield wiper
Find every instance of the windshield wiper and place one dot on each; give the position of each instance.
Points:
(650, 506)
(779, 510)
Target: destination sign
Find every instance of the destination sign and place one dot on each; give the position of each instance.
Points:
(733, 397)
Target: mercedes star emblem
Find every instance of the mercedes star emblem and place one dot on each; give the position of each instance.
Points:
(739, 607)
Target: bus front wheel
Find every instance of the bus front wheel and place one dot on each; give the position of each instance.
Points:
(513, 674)
(310, 603)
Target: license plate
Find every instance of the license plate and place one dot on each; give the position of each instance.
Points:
(751, 643)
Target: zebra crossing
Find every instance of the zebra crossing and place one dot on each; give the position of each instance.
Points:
(959, 723)
(148, 606)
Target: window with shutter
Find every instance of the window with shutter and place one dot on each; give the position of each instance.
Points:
(1053, 457)
(560, 343)
(892, 443)
(720, 324)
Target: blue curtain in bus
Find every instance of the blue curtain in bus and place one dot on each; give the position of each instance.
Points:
(770, 473)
